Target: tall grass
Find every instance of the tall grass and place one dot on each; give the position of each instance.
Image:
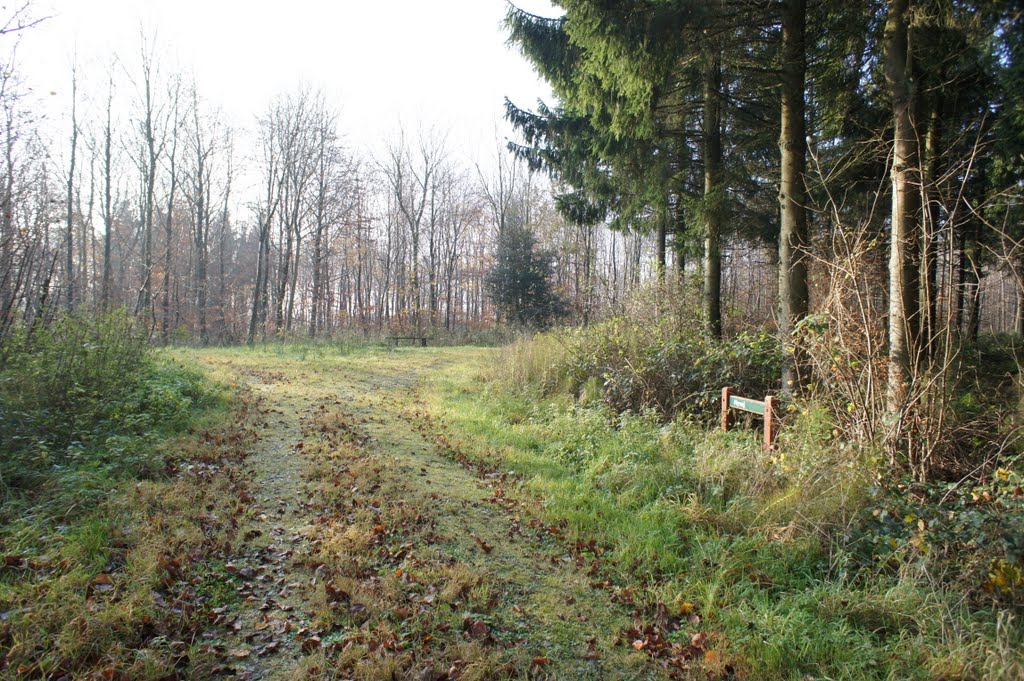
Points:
(774, 552)
(819, 558)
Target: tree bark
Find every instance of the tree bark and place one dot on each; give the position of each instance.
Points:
(793, 237)
(713, 194)
(904, 320)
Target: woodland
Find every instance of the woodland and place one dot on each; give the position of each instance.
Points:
(214, 464)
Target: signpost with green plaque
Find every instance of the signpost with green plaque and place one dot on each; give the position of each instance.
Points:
(766, 408)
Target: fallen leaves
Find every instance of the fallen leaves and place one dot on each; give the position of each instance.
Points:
(487, 548)
(660, 639)
(311, 644)
(477, 630)
(336, 595)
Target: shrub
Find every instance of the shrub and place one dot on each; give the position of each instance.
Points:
(58, 381)
(86, 394)
(970, 532)
(638, 367)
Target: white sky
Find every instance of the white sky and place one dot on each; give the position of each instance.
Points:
(442, 64)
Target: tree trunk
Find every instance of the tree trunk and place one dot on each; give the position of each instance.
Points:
(222, 245)
(713, 195)
(202, 257)
(85, 231)
(659, 262)
(678, 238)
(904, 320)
(69, 241)
(145, 300)
(259, 295)
(793, 237)
(972, 287)
(930, 217)
(1019, 311)
(318, 241)
(165, 330)
(7, 228)
(293, 283)
(108, 208)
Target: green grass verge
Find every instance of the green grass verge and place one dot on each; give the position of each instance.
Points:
(88, 537)
(752, 544)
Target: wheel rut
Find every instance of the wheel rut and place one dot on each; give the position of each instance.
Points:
(366, 552)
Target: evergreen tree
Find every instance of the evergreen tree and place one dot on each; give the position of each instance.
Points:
(660, 110)
(520, 282)
(616, 174)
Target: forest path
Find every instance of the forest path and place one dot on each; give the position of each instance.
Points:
(367, 551)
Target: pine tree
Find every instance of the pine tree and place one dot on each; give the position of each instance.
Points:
(657, 112)
(616, 174)
(520, 282)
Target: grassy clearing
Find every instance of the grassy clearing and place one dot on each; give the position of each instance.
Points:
(554, 539)
(738, 545)
(422, 568)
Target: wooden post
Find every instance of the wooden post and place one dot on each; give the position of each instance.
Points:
(726, 420)
(769, 422)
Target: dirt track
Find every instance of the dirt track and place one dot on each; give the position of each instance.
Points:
(369, 551)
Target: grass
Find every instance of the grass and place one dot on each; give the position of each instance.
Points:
(624, 522)
(417, 549)
(85, 551)
(704, 521)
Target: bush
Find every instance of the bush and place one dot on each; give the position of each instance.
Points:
(970, 532)
(86, 394)
(637, 367)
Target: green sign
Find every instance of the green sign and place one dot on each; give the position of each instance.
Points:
(753, 406)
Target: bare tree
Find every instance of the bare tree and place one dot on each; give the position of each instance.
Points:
(152, 141)
(410, 174)
(108, 206)
(172, 179)
(69, 243)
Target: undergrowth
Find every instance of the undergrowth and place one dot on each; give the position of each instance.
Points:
(805, 562)
(657, 364)
(99, 522)
(86, 399)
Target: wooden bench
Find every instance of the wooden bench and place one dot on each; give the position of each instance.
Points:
(415, 340)
(766, 408)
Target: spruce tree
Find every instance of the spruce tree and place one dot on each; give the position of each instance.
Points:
(659, 122)
(520, 282)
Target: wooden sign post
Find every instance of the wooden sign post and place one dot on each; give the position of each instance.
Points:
(766, 408)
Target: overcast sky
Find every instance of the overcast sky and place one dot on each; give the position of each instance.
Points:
(431, 63)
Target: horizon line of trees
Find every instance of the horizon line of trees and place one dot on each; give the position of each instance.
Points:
(143, 205)
(719, 145)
